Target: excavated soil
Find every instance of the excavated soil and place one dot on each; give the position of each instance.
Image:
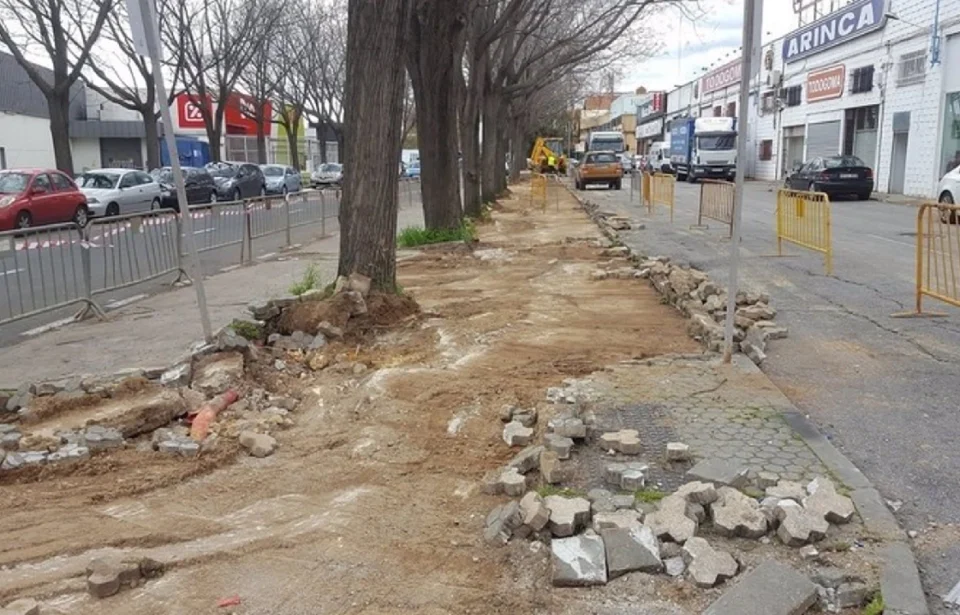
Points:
(370, 506)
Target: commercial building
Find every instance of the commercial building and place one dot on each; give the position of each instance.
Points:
(875, 79)
(650, 111)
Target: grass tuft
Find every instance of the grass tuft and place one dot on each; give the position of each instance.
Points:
(248, 330)
(649, 496)
(875, 607)
(413, 236)
(309, 281)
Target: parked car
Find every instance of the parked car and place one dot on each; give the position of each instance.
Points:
(413, 170)
(280, 179)
(197, 182)
(599, 168)
(34, 197)
(834, 175)
(948, 193)
(112, 192)
(329, 174)
(626, 161)
(237, 180)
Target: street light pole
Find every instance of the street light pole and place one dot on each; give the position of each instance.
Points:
(147, 41)
(746, 76)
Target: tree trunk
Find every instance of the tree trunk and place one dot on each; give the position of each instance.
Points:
(373, 113)
(152, 138)
(58, 104)
(470, 143)
(261, 139)
(213, 136)
(436, 30)
(488, 171)
(292, 145)
(500, 169)
(518, 145)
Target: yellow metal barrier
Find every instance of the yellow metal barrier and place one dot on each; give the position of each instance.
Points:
(538, 190)
(803, 219)
(716, 202)
(938, 256)
(661, 191)
(645, 181)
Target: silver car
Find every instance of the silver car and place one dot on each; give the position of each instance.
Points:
(280, 179)
(329, 174)
(112, 192)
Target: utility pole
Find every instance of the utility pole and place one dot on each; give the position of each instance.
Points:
(752, 22)
(146, 40)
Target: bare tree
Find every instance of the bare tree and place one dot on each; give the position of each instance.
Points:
(326, 89)
(128, 82)
(214, 41)
(298, 60)
(64, 31)
(373, 113)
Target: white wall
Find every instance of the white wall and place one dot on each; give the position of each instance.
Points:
(99, 108)
(86, 154)
(26, 141)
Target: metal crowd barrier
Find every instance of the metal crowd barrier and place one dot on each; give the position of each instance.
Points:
(41, 269)
(645, 191)
(538, 190)
(662, 191)
(938, 256)
(409, 194)
(716, 202)
(217, 225)
(803, 219)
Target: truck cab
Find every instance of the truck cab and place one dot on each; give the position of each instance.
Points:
(704, 147)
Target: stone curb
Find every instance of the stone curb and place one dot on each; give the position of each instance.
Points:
(900, 583)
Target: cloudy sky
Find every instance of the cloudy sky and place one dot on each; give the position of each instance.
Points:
(712, 38)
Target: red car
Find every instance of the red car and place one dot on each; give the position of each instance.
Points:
(35, 197)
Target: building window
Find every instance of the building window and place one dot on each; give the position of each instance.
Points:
(858, 122)
(792, 96)
(862, 80)
(766, 150)
(732, 109)
(912, 68)
(717, 111)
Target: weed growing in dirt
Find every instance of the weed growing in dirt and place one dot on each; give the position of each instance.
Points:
(309, 281)
(246, 329)
(413, 236)
(875, 607)
(566, 492)
(649, 496)
(839, 546)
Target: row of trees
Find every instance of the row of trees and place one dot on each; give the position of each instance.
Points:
(483, 74)
(290, 53)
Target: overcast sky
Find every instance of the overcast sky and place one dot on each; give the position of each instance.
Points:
(714, 39)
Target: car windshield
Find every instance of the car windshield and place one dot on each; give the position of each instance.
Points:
(601, 158)
(165, 174)
(224, 171)
(330, 168)
(98, 181)
(611, 144)
(13, 183)
(842, 161)
(716, 143)
(273, 171)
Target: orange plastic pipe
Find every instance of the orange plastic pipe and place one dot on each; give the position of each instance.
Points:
(208, 413)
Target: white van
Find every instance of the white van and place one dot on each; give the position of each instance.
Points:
(659, 157)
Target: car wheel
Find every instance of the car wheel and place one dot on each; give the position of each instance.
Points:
(947, 216)
(81, 216)
(155, 205)
(112, 210)
(236, 195)
(24, 219)
(618, 184)
(214, 197)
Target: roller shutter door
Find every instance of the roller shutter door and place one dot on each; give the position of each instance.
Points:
(823, 139)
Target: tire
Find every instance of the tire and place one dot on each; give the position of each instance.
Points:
(236, 195)
(947, 218)
(24, 220)
(155, 205)
(214, 197)
(81, 216)
(617, 185)
(112, 210)
(691, 179)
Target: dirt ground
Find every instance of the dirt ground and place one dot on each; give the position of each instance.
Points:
(371, 505)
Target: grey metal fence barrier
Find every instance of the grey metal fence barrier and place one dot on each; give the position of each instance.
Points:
(41, 270)
(217, 225)
(133, 248)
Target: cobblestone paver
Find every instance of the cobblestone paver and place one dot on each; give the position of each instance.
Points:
(721, 411)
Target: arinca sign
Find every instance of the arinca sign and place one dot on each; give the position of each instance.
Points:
(838, 27)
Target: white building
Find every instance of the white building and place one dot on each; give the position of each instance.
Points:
(868, 79)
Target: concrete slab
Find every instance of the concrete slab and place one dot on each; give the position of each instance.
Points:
(770, 589)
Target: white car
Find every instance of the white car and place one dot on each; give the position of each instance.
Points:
(948, 193)
(112, 192)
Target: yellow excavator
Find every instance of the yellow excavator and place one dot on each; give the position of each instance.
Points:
(545, 151)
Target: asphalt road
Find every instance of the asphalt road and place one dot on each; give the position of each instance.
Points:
(884, 389)
(125, 253)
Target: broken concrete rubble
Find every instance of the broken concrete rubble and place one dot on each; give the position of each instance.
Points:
(721, 472)
(770, 589)
(258, 444)
(527, 460)
(568, 427)
(629, 549)
(578, 561)
(825, 501)
(560, 445)
(799, 526)
(553, 470)
(735, 514)
(616, 519)
(707, 566)
(625, 441)
(678, 451)
(515, 434)
(567, 515)
(671, 522)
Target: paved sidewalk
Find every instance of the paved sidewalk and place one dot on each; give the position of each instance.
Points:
(156, 331)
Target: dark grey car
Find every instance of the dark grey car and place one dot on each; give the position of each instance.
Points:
(237, 180)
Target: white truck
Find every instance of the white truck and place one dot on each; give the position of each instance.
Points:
(704, 147)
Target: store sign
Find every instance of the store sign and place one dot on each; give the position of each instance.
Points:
(826, 84)
(651, 104)
(722, 77)
(650, 129)
(838, 27)
(239, 113)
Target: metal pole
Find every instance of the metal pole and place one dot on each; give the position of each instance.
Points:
(746, 76)
(286, 208)
(151, 34)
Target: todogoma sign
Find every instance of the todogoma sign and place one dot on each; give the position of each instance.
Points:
(848, 23)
